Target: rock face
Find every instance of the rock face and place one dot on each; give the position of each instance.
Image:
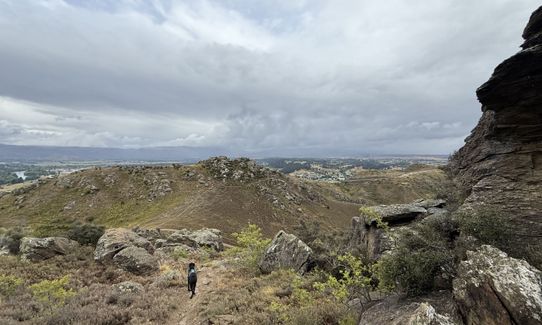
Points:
(373, 241)
(436, 309)
(500, 165)
(286, 251)
(206, 237)
(115, 240)
(492, 288)
(39, 249)
(136, 260)
(242, 169)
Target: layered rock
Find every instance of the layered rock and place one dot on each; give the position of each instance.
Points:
(286, 251)
(368, 238)
(435, 309)
(492, 288)
(39, 249)
(500, 165)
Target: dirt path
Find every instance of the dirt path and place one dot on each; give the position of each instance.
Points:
(209, 278)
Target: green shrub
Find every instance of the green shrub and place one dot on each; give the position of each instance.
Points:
(422, 254)
(488, 226)
(53, 292)
(250, 246)
(326, 245)
(374, 216)
(86, 233)
(9, 284)
(178, 253)
(355, 280)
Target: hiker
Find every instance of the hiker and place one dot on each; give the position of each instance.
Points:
(192, 279)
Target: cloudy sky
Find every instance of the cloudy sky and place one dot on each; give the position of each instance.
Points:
(284, 77)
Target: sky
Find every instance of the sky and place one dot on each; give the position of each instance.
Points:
(284, 77)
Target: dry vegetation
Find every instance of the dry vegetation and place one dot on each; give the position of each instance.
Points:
(189, 197)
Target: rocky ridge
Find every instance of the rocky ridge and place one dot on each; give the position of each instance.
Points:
(500, 165)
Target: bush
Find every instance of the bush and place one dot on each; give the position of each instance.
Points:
(53, 292)
(86, 233)
(9, 284)
(326, 245)
(488, 226)
(11, 239)
(250, 246)
(423, 254)
(355, 280)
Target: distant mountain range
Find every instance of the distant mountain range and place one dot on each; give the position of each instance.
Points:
(49, 153)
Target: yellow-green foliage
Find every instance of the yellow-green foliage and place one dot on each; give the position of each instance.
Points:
(53, 292)
(9, 284)
(179, 253)
(372, 215)
(354, 280)
(250, 246)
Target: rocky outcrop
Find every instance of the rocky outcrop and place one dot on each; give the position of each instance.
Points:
(117, 239)
(286, 251)
(206, 237)
(242, 169)
(492, 288)
(372, 241)
(136, 260)
(436, 309)
(128, 287)
(500, 165)
(39, 249)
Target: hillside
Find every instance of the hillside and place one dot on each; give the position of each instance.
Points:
(219, 193)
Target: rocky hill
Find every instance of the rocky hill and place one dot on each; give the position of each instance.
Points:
(218, 192)
(500, 166)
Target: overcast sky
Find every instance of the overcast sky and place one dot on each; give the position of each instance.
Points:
(286, 77)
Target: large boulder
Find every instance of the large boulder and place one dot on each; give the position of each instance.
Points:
(286, 251)
(136, 260)
(39, 249)
(399, 213)
(434, 309)
(117, 239)
(206, 237)
(372, 241)
(493, 288)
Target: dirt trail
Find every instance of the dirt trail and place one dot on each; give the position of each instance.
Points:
(209, 279)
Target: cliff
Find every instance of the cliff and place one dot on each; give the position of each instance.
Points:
(500, 165)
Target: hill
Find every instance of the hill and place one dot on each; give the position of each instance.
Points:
(219, 193)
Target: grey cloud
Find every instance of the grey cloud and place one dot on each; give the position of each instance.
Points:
(291, 77)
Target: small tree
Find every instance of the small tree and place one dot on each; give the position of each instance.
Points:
(250, 246)
(355, 280)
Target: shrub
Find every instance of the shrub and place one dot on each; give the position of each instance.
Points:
(372, 215)
(422, 254)
(9, 284)
(488, 226)
(250, 246)
(355, 280)
(326, 245)
(53, 292)
(11, 239)
(86, 233)
(178, 253)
